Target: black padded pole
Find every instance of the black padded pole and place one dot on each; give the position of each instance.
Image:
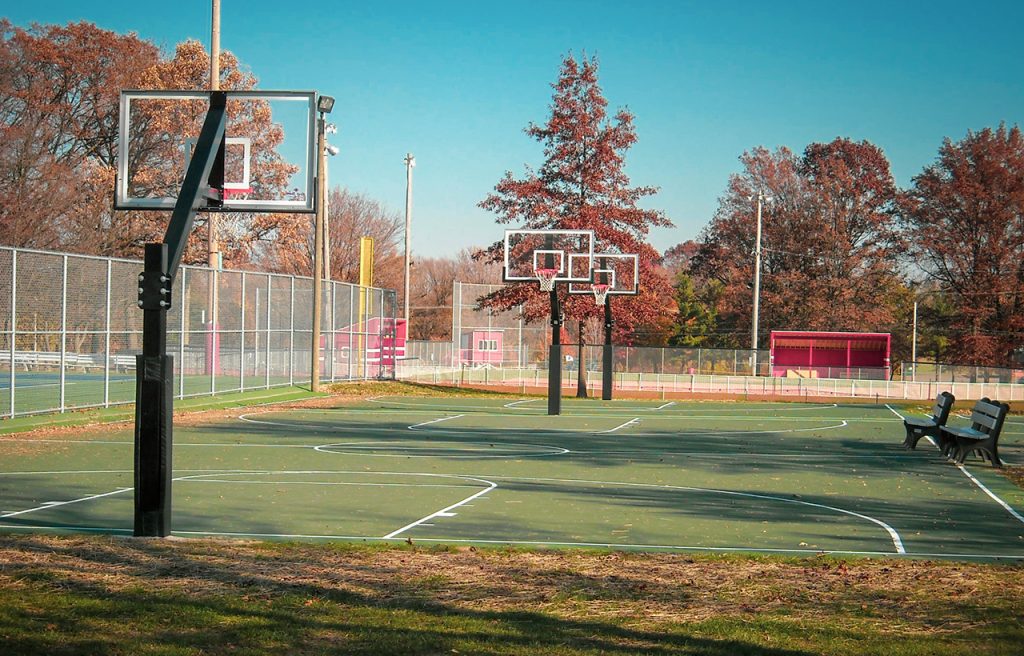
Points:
(555, 357)
(606, 365)
(153, 401)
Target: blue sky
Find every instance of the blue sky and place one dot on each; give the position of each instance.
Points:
(455, 83)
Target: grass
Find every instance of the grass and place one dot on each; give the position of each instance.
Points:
(86, 595)
(122, 413)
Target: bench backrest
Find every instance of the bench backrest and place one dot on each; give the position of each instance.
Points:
(988, 416)
(943, 405)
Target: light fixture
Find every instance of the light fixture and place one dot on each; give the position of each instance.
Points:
(331, 128)
(332, 150)
(325, 104)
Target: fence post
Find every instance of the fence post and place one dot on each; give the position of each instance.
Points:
(266, 364)
(291, 334)
(351, 326)
(185, 279)
(63, 328)
(334, 327)
(106, 342)
(14, 324)
(241, 345)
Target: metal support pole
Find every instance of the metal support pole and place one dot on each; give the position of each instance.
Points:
(14, 326)
(410, 163)
(63, 331)
(555, 357)
(913, 348)
(757, 286)
(606, 365)
(106, 342)
(154, 404)
(318, 255)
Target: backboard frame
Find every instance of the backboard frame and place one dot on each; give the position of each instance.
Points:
(307, 204)
(599, 269)
(565, 262)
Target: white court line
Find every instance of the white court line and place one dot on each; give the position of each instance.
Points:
(634, 420)
(512, 405)
(358, 448)
(434, 421)
(894, 536)
(54, 504)
(664, 405)
(607, 545)
(445, 512)
(841, 424)
(974, 480)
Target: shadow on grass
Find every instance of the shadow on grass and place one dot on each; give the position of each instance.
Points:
(186, 598)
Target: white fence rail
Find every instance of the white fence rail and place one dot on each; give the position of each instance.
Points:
(534, 380)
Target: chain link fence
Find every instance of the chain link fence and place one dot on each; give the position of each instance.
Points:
(70, 328)
(500, 350)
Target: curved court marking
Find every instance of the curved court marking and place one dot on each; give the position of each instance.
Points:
(357, 451)
(974, 480)
(842, 424)
(205, 478)
(894, 536)
(513, 404)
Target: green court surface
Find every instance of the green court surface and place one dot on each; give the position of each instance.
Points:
(766, 477)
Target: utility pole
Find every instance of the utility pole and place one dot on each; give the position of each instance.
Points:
(410, 163)
(211, 237)
(318, 249)
(757, 286)
(212, 248)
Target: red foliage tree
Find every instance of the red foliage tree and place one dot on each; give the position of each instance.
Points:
(582, 185)
(965, 219)
(829, 242)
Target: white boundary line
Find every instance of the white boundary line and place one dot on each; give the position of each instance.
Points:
(634, 420)
(55, 504)
(434, 421)
(555, 451)
(608, 545)
(1007, 507)
(512, 405)
(445, 512)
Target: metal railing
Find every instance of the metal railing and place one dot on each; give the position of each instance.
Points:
(70, 328)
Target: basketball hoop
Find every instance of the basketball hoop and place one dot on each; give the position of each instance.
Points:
(546, 277)
(600, 293)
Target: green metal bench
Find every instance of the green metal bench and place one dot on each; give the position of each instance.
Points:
(982, 437)
(918, 428)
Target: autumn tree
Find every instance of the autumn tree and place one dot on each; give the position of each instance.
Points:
(59, 89)
(964, 217)
(829, 242)
(581, 184)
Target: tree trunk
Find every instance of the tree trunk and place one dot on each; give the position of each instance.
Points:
(581, 379)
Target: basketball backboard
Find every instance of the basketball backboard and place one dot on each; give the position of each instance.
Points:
(619, 271)
(568, 253)
(269, 149)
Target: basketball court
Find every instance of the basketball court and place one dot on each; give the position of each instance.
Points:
(732, 477)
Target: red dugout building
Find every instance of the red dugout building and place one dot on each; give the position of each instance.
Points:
(797, 354)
